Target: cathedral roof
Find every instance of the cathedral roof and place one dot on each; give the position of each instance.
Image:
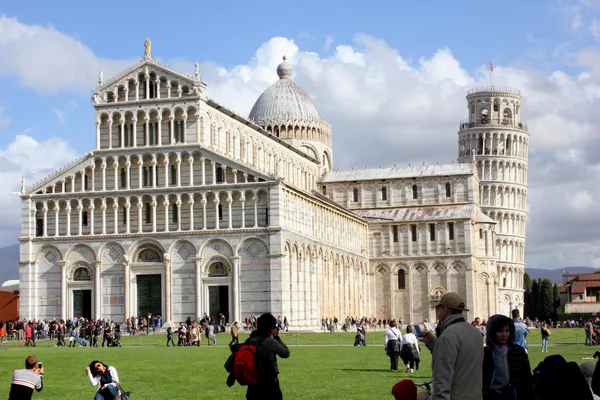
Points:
(416, 214)
(417, 171)
(284, 103)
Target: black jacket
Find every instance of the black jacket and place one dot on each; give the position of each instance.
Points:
(521, 382)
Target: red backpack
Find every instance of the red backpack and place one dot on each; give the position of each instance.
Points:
(245, 368)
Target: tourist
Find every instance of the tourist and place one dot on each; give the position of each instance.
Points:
(106, 378)
(521, 330)
(25, 380)
(545, 335)
(506, 369)
(392, 344)
(267, 333)
(234, 333)
(410, 351)
(457, 353)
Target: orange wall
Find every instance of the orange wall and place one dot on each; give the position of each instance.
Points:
(9, 305)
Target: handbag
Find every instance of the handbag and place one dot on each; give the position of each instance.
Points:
(123, 395)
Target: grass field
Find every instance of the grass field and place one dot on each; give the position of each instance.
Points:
(321, 366)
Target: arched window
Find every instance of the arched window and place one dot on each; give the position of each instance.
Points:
(220, 212)
(383, 193)
(218, 269)
(174, 212)
(152, 86)
(448, 189)
(355, 195)
(173, 175)
(123, 176)
(219, 172)
(401, 279)
(84, 218)
(415, 192)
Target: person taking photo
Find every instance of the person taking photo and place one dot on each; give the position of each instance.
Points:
(24, 381)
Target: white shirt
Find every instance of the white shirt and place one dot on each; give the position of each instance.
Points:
(410, 338)
(392, 334)
(95, 380)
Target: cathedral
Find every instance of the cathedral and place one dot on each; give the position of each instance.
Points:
(185, 208)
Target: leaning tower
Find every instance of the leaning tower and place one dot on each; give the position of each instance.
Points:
(496, 140)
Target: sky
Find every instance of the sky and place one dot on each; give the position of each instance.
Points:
(390, 77)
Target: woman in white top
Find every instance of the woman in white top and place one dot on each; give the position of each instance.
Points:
(106, 378)
(393, 338)
(409, 350)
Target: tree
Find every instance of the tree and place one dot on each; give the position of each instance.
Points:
(527, 296)
(547, 300)
(556, 302)
(534, 300)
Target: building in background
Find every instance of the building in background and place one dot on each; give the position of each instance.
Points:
(186, 208)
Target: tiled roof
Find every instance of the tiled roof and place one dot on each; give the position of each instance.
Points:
(579, 287)
(413, 214)
(588, 277)
(398, 172)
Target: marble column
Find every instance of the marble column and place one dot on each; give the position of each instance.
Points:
(126, 290)
(98, 289)
(63, 289)
(199, 262)
(168, 305)
(235, 261)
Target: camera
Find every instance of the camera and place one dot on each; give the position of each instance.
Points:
(40, 365)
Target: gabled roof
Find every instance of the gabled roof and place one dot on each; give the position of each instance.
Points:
(416, 214)
(398, 172)
(58, 173)
(150, 62)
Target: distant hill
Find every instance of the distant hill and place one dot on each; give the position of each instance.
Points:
(9, 263)
(555, 275)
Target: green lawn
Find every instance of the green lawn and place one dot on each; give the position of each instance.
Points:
(316, 369)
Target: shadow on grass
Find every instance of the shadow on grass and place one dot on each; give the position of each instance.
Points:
(364, 370)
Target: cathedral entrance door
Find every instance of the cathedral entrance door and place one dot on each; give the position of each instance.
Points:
(149, 299)
(82, 304)
(218, 301)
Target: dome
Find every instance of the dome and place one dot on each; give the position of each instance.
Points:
(284, 102)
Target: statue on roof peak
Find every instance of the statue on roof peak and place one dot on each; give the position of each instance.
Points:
(147, 48)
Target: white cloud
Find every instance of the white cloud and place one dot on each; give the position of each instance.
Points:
(328, 42)
(581, 200)
(67, 65)
(29, 158)
(595, 28)
(63, 111)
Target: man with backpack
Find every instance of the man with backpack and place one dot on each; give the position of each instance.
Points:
(254, 363)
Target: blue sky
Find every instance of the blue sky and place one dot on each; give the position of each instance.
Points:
(394, 72)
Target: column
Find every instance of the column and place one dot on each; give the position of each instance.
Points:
(203, 202)
(128, 216)
(229, 201)
(183, 128)
(98, 289)
(166, 204)
(191, 162)
(178, 161)
(154, 177)
(110, 121)
(97, 135)
(63, 289)
(154, 204)
(45, 210)
(103, 208)
(80, 210)
(73, 183)
(243, 200)
(91, 208)
(115, 207)
(214, 172)
(126, 294)
(198, 132)
(134, 121)
(166, 164)
(56, 210)
(178, 204)
(137, 90)
(235, 261)
(116, 176)
(168, 89)
(159, 123)
(128, 174)
(234, 171)
(202, 161)
(126, 94)
(103, 166)
(191, 203)
(147, 131)
(255, 210)
(199, 262)
(168, 317)
(140, 174)
(122, 138)
(68, 209)
(82, 181)
(157, 82)
(92, 177)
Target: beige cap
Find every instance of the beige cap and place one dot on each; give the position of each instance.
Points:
(453, 301)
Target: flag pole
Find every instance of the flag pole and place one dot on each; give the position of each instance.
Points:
(491, 70)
